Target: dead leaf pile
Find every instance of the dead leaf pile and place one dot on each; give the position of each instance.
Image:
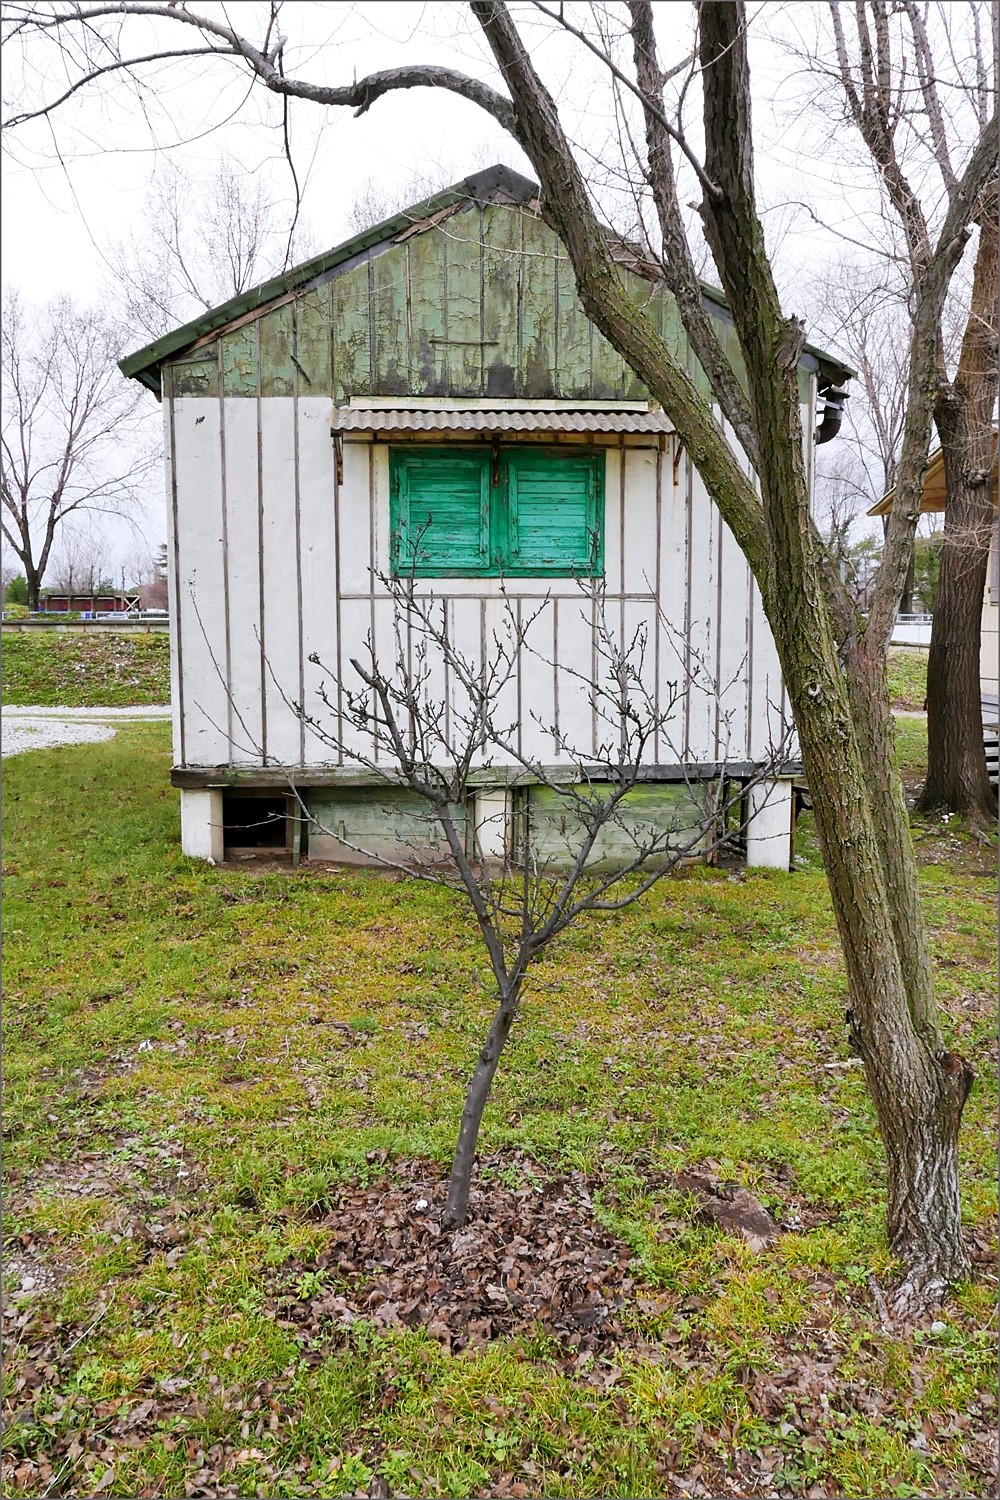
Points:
(533, 1261)
(533, 1255)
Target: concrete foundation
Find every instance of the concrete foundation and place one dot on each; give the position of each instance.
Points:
(494, 823)
(201, 824)
(769, 825)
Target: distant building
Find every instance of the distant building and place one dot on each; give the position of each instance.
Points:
(932, 501)
(51, 602)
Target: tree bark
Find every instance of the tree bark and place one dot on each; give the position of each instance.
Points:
(906, 599)
(957, 779)
(918, 1088)
(33, 579)
(476, 1096)
(839, 695)
(836, 686)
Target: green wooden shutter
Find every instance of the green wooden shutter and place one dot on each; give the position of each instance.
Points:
(555, 513)
(448, 492)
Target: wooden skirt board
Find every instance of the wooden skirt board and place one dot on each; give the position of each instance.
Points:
(352, 824)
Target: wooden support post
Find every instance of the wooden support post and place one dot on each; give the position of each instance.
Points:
(201, 824)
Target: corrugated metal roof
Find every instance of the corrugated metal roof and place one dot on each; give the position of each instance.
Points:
(505, 419)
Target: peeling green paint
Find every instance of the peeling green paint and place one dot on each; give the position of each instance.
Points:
(555, 832)
(502, 274)
(239, 359)
(390, 823)
(481, 304)
(277, 344)
(195, 377)
(313, 345)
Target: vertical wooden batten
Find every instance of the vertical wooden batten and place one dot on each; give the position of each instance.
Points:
(262, 626)
(228, 667)
(296, 459)
(176, 631)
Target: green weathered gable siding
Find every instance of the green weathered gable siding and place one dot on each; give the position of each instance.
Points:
(483, 304)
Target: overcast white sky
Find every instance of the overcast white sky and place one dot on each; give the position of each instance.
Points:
(77, 180)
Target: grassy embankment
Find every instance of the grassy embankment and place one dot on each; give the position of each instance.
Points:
(907, 677)
(184, 1105)
(48, 668)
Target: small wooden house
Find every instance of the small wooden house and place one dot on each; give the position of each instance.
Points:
(441, 364)
(59, 602)
(932, 502)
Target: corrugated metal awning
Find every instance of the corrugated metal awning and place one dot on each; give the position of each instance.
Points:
(499, 419)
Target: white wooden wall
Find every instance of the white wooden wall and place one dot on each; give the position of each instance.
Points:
(274, 560)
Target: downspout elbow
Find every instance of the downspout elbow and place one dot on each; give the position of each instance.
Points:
(834, 399)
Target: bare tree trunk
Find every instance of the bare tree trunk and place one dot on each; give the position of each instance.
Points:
(918, 1088)
(957, 779)
(840, 700)
(476, 1096)
(906, 601)
(33, 579)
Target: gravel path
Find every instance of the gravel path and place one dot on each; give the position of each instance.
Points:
(42, 728)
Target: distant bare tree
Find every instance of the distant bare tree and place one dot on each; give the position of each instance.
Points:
(197, 244)
(81, 562)
(138, 566)
(72, 434)
(912, 134)
(842, 496)
(965, 415)
(377, 200)
(864, 313)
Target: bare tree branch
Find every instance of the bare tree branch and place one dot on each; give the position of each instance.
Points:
(73, 438)
(265, 64)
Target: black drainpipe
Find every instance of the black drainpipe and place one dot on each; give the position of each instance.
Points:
(834, 397)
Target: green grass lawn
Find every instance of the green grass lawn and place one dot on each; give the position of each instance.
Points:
(50, 668)
(196, 1059)
(907, 677)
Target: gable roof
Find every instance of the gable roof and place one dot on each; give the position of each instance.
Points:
(495, 184)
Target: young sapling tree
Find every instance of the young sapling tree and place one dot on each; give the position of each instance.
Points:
(440, 721)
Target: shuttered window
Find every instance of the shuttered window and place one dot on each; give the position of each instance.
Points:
(519, 512)
(555, 523)
(440, 513)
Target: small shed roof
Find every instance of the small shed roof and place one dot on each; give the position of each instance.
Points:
(596, 417)
(496, 184)
(934, 493)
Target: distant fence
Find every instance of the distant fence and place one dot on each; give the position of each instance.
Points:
(139, 623)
